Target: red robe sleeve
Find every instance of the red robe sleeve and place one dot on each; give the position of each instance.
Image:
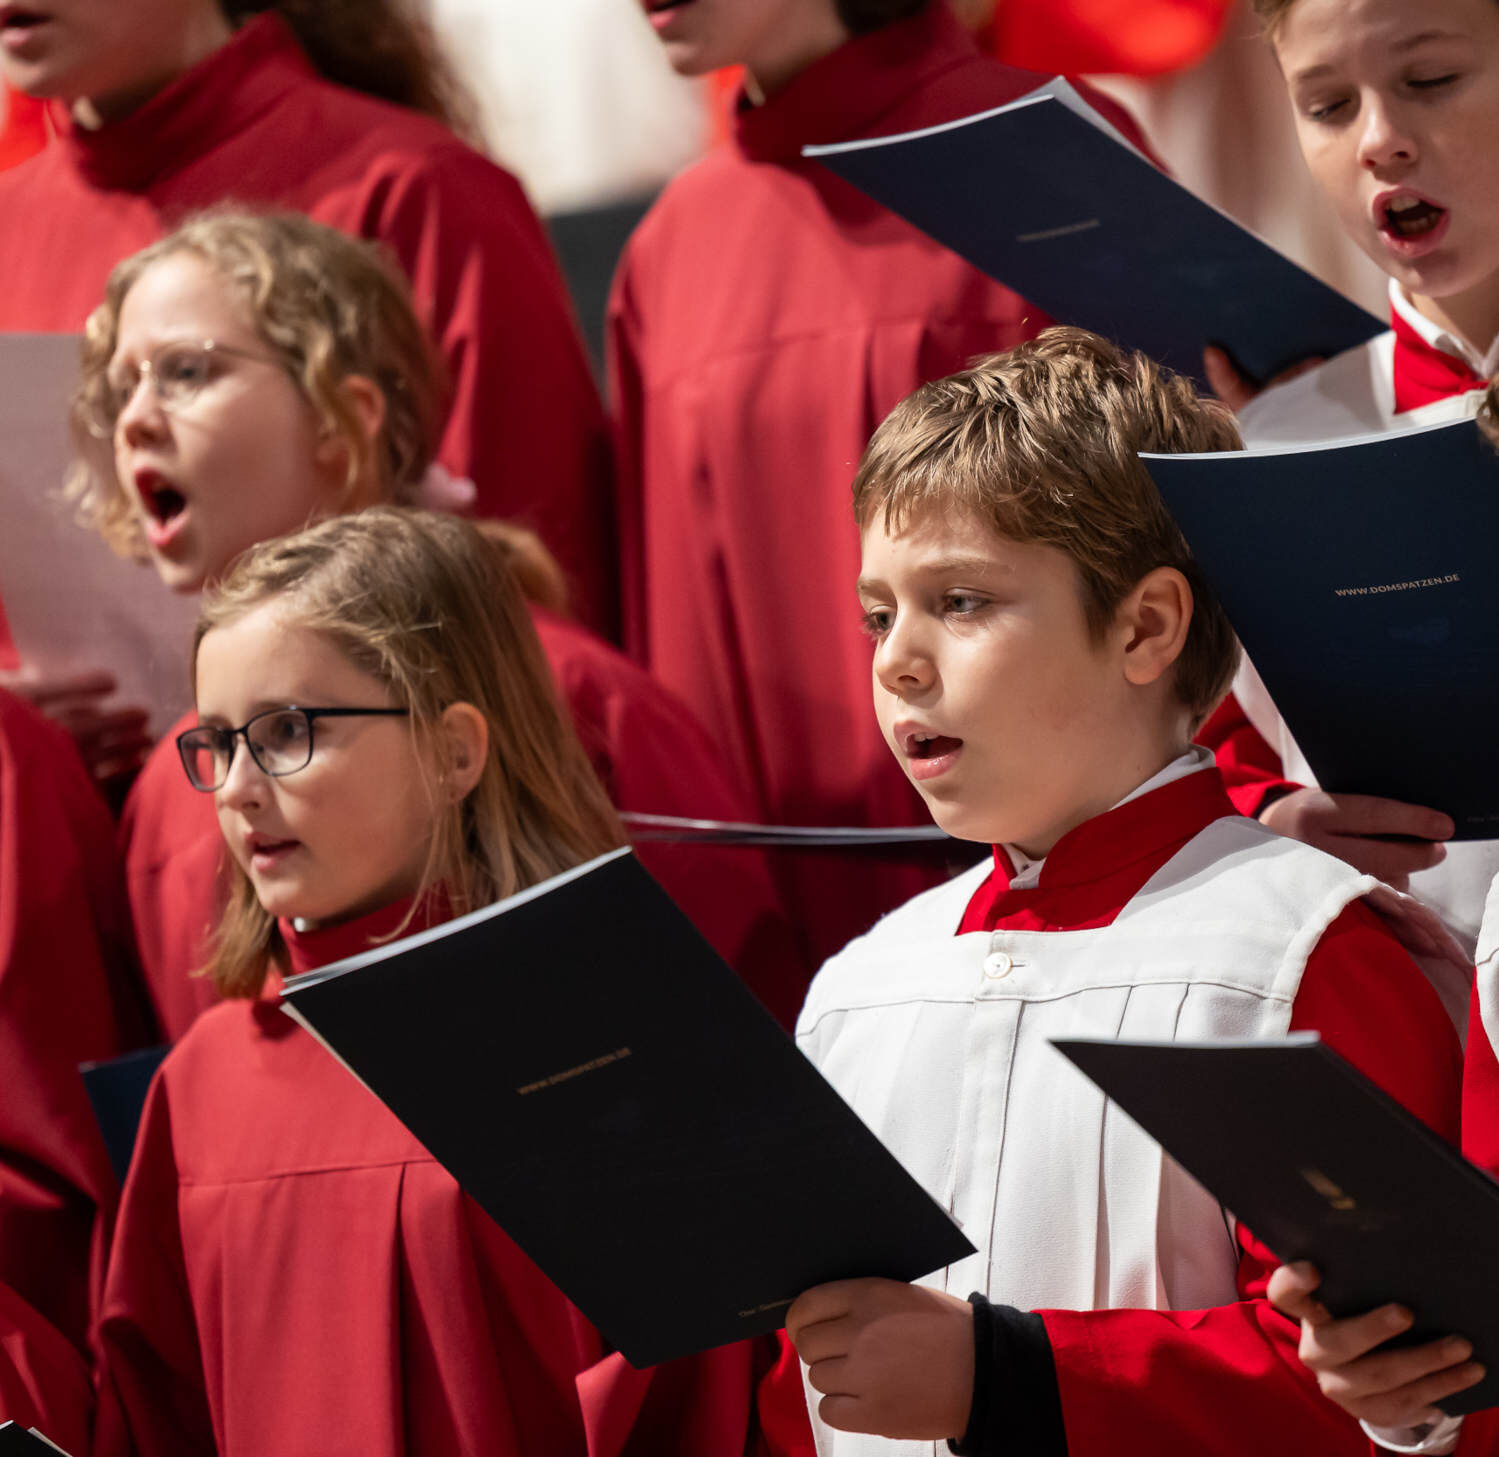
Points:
(784, 1423)
(526, 424)
(1250, 768)
(1480, 1095)
(152, 1398)
(67, 995)
(1228, 1379)
(176, 877)
(44, 1382)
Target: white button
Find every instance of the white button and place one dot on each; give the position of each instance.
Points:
(997, 965)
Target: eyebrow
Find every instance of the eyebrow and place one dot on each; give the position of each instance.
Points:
(1409, 43)
(947, 566)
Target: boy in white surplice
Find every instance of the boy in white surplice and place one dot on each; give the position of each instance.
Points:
(1043, 650)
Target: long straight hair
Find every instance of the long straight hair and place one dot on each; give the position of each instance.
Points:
(431, 608)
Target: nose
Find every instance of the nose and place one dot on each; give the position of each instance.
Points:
(903, 664)
(244, 787)
(142, 417)
(1385, 140)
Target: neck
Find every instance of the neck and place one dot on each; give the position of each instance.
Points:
(780, 62)
(1131, 771)
(198, 39)
(1472, 316)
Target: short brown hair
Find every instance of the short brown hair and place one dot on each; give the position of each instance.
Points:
(429, 606)
(1042, 445)
(327, 305)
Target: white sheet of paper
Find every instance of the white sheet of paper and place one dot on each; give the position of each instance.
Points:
(72, 604)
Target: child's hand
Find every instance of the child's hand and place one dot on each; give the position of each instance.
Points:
(111, 738)
(1382, 837)
(890, 1359)
(1236, 388)
(1384, 1388)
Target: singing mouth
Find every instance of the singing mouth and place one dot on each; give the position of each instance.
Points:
(163, 501)
(13, 18)
(929, 746)
(1408, 216)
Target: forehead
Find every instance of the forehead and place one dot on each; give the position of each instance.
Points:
(954, 543)
(182, 296)
(1314, 33)
(266, 656)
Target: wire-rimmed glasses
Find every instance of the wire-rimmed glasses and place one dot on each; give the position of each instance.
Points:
(177, 370)
(279, 741)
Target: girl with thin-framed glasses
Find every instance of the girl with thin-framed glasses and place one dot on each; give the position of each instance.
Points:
(292, 1272)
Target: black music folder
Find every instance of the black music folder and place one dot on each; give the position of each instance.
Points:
(1049, 199)
(19, 1441)
(1359, 576)
(1324, 1166)
(605, 1087)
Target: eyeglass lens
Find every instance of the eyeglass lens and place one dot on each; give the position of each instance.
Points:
(176, 371)
(280, 741)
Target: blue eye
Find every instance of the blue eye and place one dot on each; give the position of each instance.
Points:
(961, 604)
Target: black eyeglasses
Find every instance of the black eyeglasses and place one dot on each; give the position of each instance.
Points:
(279, 740)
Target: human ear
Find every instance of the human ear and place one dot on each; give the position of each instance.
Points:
(364, 404)
(1154, 619)
(465, 733)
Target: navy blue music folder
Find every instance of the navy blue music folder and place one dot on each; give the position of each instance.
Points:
(1324, 1166)
(1359, 575)
(1049, 199)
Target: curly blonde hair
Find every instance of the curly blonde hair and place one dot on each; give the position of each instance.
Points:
(431, 607)
(326, 305)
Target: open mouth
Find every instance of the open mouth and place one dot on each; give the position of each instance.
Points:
(164, 503)
(660, 7)
(1408, 216)
(15, 21)
(930, 746)
(266, 853)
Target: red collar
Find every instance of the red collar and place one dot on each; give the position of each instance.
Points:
(1095, 870)
(844, 94)
(1423, 373)
(308, 950)
(193, 115)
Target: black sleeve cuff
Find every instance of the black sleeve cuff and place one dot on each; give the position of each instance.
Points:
(1017, 1408)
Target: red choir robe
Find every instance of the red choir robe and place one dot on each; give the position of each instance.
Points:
(1480, 1436)
(23, 129)
(650, 754)
(254, 124)
(67, 995)
(293, 1273)
(765, 317)
(1225, 1380)
(44, 1380)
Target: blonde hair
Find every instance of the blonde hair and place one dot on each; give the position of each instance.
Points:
(1041, 445)
(327, 305)
(428, 605)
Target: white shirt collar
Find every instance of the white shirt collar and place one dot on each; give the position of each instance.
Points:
(1483, 365)
(1027, 872)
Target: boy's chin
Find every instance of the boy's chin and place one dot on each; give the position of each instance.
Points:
(962, 822)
